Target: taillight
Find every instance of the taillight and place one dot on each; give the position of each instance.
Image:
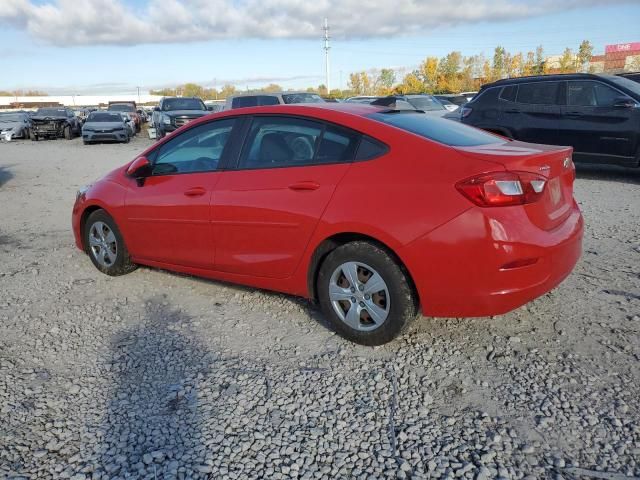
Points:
(500, 189)
(465, 111)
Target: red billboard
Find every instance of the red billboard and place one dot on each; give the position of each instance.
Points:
(623, 47)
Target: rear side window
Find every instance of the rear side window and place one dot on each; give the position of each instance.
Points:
(290, 142)
(254, 101)
(509, 93)
(370, 148)
(539, 93)
(438, 129)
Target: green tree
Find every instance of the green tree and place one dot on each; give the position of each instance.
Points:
(567, 61)
(585, 52)
(384, 82)
(498, 67)
(227, 90)
(540, 64)
(529, 66)
(192, 90)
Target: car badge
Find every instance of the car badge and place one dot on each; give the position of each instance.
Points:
(567, 162)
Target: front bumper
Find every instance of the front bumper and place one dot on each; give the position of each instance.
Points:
(491, 261)
(94, 136)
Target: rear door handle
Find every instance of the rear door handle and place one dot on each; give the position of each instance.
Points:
(512, 110)
(307, 185)
(195, 192)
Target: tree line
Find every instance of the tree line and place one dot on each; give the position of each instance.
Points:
(452, 73)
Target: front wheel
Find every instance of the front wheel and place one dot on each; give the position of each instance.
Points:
(365, 293)
(105, 245)
(67, 132)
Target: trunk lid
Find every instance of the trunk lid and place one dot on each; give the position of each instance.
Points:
(554, 163)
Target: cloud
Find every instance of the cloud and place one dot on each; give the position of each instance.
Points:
(112, 22)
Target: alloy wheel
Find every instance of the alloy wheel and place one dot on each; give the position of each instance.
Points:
(103, 244)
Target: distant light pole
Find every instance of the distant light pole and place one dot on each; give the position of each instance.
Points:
(326, 54)
(138, 94)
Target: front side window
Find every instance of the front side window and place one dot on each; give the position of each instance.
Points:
(539, 93)
(509, 93)
(170, 104)
(591, 94)
(199, 149)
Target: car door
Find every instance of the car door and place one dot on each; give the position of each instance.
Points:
(266, 209)
(168, 217)
(535, 113)
(594, 126)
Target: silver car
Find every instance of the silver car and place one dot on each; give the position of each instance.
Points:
(14, 125)
(105, 127)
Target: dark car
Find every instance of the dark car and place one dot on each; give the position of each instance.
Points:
(54, 123)
(127, 107)
(14, 125)
(174, 112)
(105, 127)
(598, 115)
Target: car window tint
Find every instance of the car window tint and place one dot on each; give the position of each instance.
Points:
(268, 100)
(591, 94)
(336, 145)
(370, 148)
(509, 93)
(281, 141)
(439, 129)
(241, 102)
(539, 93)
(199, 149)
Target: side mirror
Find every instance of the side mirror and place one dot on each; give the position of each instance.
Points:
(210, 108)
(623, 102)
(139, 169)
(156, 109)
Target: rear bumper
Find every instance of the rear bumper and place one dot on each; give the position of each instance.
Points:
(469, 267)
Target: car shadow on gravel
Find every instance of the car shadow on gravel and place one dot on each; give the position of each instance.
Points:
(5, 175)
(152, 424)
(609, 173)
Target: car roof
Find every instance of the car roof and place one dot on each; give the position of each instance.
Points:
(542, 78)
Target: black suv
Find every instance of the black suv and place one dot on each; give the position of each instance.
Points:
(598, 115)
(173, 112)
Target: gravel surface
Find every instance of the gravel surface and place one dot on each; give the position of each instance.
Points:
(156, 375)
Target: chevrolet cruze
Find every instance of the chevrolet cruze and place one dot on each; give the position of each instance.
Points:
(376, 213)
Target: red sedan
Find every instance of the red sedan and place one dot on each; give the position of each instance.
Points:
(375, 213)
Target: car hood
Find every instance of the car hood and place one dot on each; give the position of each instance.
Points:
(186, 113)
(47, 117)
(9, 124)
(103, 125)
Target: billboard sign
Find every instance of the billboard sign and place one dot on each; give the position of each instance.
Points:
(623, 47)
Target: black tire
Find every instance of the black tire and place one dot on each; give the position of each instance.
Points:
(122, 263)
(67, 132)
(86, 142)
(27, 134)
(128, 139)
(402, 307)
(33, 136)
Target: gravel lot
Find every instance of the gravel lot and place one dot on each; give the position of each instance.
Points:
(156, 375)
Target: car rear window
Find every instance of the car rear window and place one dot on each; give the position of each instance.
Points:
(440, 130)
(509, 93)
(254, 101)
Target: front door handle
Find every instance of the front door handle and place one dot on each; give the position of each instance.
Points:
(307, 185)
(195, 192)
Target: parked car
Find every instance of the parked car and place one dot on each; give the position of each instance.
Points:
(469, 95)
(598, 115)
(174, 112)
(260, 99)
(426, 103)
(54, 123)
(106, 127)
(362, 99)
(128, 107)
(14, 125)
(129, 123)
(450, 106)
(635, 76)
(143, 115)
(456, 99)
(375, 213)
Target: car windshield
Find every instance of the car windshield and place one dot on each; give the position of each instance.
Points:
(302, 98)
(628, 84)
(182, 104)
(426, 103)
(121, 107)
(104, 117)
(441, 130)
(52, 112)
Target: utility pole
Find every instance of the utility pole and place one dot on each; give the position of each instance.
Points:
(326, 54)
(138, 94)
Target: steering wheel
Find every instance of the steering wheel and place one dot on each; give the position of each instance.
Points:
(302, 149)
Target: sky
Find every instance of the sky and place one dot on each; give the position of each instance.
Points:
(114, 46)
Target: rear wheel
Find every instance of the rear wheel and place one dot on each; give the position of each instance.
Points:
(33, 136)
(105, 245)
(365, 293)
(67, 132)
